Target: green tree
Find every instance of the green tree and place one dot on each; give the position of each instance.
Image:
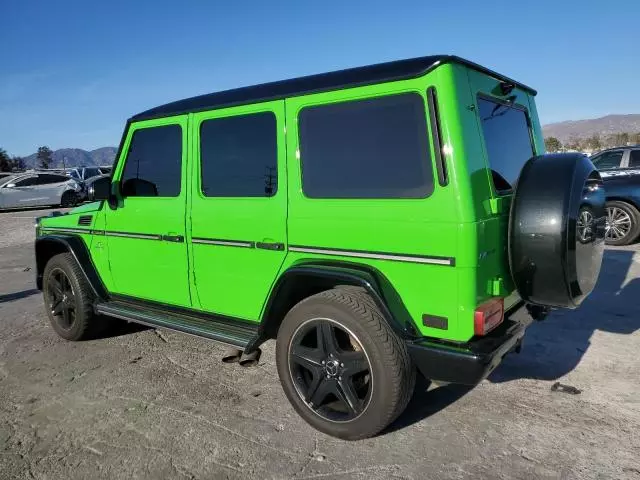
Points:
(44, 157)
(594, 142)
(552, 144)
(5, 161)
(17, 163)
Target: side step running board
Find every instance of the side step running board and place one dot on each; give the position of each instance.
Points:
(231, 332)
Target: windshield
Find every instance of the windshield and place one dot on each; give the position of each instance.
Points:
(507, 140)
(8, 179)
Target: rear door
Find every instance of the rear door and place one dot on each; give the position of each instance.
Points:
(145, 233)
(507, 127)
(49, 188)
(238, 206)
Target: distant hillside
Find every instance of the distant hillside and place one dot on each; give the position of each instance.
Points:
(603, 126)
(76, 157)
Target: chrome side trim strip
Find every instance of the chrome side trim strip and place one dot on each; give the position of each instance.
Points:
(66, 230)
(142, 236)
(447, 261)
(224, 243)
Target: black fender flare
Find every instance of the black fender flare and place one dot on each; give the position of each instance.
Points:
(324, 275)
(50, 245)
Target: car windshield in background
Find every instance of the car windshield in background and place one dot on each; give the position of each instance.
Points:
(7, 179)
(507, 140)
(91, 172)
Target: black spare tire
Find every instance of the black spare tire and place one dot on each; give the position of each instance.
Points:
(556, 230)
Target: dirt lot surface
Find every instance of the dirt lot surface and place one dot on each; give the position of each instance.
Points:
(147, 404)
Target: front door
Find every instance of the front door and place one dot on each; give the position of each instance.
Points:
(145, 234)
(238, 206)
(20, 194)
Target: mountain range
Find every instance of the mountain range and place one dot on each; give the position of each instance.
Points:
(603, 126)
(76, 157)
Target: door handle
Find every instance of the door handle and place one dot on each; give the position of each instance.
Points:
(173, 238)
(270, 246)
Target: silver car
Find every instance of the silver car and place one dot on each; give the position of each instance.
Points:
(37, 189)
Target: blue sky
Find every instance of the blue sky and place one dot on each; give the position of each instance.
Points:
(72, 72)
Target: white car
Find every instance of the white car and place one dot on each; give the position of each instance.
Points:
(38, 189)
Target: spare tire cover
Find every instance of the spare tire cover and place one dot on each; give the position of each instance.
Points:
(556, 230)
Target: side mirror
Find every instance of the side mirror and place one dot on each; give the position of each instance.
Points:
(10, 185)
(100, 189)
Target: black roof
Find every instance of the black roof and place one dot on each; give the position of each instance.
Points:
(351, 77)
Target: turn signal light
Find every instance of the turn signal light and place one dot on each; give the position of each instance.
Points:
(488, 316)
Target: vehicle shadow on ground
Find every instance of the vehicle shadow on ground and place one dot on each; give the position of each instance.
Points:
(8, 297)
(554, 347)
(426, 402)
(119, 328)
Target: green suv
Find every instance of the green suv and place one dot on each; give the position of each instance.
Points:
(377, 222)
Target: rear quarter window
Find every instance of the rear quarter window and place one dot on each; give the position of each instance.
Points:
(634, 159)
(373, 148)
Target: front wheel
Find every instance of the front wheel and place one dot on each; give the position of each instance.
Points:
(69, 299)
(623, 223)
(69, 199)
(341, 366)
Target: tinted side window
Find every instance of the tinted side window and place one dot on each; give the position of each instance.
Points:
(47, 178)
(634, 158)
(154, 163)
(374, 148)
(239, 156)
(27, 182)
(507, 140)
(607, 160)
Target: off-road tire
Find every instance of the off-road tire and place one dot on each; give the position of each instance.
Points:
(634, 215)
(85, 324)
(390, 364)
(69, 199)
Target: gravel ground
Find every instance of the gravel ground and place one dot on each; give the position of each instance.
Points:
(150, 404)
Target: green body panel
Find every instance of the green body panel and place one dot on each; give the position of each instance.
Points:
(234, 280)
(146, 268)
(465, 220)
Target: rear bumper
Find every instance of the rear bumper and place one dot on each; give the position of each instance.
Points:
(468, 363)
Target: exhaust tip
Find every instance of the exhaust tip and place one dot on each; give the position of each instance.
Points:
(232, 355)
(250, 359)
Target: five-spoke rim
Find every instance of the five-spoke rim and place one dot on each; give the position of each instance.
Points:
(330, 370)
(61, 299)
(618, 223)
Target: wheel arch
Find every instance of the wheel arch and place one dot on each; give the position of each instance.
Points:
(308, 278)
(619, 198)
(50, 245)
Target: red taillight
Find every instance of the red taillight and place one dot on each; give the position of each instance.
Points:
(488, 316)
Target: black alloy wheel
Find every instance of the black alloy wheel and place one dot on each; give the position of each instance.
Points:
(61, 299)
(330, 370)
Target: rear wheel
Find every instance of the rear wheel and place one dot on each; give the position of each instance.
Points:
(69, 300)
(341, 366)
(623, 223)
(69, 199)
